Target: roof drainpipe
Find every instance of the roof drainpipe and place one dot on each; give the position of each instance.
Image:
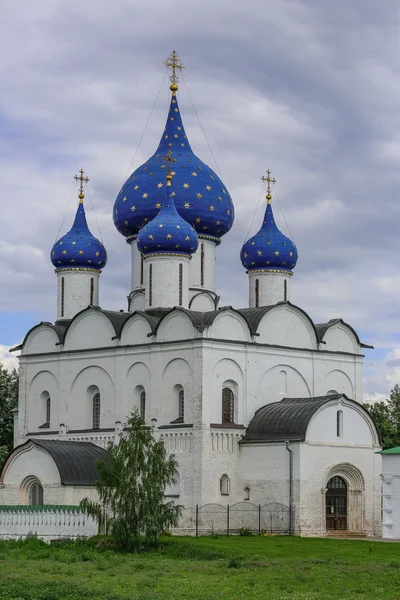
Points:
(290, 486)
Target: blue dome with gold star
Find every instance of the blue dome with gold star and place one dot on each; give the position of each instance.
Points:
(79, 249)
(167, 233)
(269, 249)
(199, 194)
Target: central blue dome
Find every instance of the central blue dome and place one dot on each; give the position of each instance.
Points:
(269, 249)
(199, 195)
(167, 233)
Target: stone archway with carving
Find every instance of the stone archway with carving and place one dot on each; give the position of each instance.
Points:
(355, 494)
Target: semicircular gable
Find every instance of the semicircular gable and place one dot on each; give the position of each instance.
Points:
(91, 328)
(278, 382)
(287, 325)
(136, 330)
(43, 384)
(339, 380)
(203, 301)
(357, 426)
(175, 325)
(340, 337)
(41, 339)
(229, 324)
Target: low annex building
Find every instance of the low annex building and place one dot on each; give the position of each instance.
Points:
(259, 404)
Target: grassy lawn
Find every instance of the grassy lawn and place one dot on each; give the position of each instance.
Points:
(280, 568)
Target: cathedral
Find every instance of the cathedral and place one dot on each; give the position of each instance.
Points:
(260, 405)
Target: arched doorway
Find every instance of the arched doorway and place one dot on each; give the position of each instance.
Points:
(336, 503)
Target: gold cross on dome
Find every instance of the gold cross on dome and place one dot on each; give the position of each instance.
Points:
(83, 179)
(169, 159)
(269, 180)
(173, 62)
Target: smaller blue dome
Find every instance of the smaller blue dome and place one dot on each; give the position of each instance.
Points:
(269, 249)
(79, 249)
(167, 233)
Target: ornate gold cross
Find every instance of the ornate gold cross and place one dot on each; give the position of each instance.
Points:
(269, 180)
(83, 179)
(169, 159)
(174, 62)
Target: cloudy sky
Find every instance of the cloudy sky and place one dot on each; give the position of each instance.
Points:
(307, 88)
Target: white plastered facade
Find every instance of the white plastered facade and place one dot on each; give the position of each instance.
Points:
(279, 356)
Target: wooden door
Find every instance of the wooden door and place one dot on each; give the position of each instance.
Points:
(336, 504)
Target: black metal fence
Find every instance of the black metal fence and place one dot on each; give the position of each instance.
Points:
(219, 519)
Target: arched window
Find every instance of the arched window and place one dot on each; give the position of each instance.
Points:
(36, 494)
(181, 405)
(96, 411)
(143, 404)
(282, 382)
(228, 405)
(247, 493)
(44, 410)
(339, 423)
(257, 291)
(224, 485)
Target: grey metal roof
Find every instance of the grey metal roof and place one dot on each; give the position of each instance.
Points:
(285, 420)
(74, 460)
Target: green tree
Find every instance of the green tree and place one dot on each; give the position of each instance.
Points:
(387, 417)
(131, 489)
(8, 401)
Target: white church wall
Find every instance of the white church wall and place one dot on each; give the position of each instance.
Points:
(177, 375)
(201, 301)
(355, 427)
(390, 496)
(339, 380)
(281, 381)
(229, 325)
(86, 382)
(44, 384)
(138, 379)
(340, 338)
(136, 331)
(175, 326)
(285, 325)
(92, 329)
(319, 461)
(219, 373)
(42, 339)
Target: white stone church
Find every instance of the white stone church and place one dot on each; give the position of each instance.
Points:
(260, 405)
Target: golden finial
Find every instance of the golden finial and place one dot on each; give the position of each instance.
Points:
(269, 180)
(174, 62)
(81, 177)
(169, 159)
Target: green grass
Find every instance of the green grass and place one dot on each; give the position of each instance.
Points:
(278, 568)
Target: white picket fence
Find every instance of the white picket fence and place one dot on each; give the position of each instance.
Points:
(47, 522)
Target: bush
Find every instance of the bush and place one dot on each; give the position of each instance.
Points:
(234, 563)
(245, 532)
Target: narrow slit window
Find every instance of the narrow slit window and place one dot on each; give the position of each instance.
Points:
(181, 401)
(339, 423)
(141, 269)
(96, 411)
(202, 265)
(257, 292)
(91, 291)
(224, 485)
(180, 283)
(62, 295)
(285, 290)
(150, 285)
(143, 404)
(48, 410)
